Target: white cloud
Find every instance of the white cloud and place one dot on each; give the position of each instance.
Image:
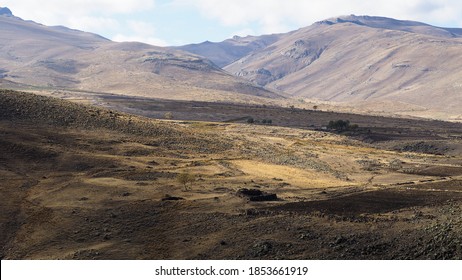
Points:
(112, 18)
(95, 24)
(134, 38)
(77, 7)
(97, 16)
(281, 15)
(140, 31)
(76, 13)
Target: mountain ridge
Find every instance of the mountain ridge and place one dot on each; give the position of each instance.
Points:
(56, 57)
(371, 63)
(4, 11)
(230, 50)
(412, 65)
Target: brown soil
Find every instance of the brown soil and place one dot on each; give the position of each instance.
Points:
(104, 186)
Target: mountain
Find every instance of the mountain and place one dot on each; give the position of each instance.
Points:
(57, 57)
(374, 63)
(5, 12)
(228, 51)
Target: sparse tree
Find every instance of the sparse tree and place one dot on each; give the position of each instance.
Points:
(168, 115)
(185, 178)
(341, 125)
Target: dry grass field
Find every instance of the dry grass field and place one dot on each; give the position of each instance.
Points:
(85, 182)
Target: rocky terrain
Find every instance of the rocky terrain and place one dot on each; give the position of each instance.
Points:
(85, 182)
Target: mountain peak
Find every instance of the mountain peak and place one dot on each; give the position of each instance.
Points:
(393, 24)
(4, 11)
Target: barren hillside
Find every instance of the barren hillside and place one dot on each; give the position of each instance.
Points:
(50, 58)
(230, 50)
(81, 182)
(378, 64)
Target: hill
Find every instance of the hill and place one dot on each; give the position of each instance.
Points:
(374, 63)
(57, 57)
(83, 182)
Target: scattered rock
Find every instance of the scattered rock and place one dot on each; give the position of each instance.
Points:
(261, 248)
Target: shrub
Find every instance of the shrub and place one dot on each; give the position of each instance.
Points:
(185, 178)
(250, 120)
(168, 115)
(341, 125)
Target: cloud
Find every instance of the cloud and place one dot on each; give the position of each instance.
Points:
(140, 31)
(97, 16)
(78, 7)
(277, 15)
(78, 14)
(113, 18)
(95, 24)
(134, 38)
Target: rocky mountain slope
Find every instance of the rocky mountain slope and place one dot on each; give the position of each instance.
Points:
(59, 57)
(230, 50)
(377, 63)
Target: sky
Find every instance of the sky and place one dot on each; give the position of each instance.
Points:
(180, 22)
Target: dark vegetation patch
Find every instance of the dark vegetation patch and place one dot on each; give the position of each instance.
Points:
(399, 134)
(29, 152)
(374, 202)
(423, 147)
(133, 175)
(65, 66)
(45, 110)
(35, 109)
(440, 171)
(256, 195)
(449, 186)
(171, 198)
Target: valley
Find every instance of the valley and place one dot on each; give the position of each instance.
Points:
(84, 182)
(339, 140)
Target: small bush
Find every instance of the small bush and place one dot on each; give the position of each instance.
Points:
(250, 120)
(168, 115)
(341, 125)
(185, 178)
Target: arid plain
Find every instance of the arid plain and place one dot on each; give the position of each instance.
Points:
(84, 182)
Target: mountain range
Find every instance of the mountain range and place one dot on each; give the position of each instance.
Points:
(57, 57)
(371, 64)
(375, 63)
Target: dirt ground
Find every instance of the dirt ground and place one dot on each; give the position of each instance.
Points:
(82, 182)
